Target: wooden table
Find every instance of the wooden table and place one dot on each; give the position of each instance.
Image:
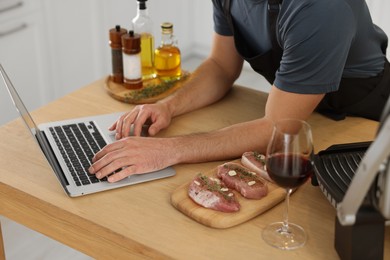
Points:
(139, 221)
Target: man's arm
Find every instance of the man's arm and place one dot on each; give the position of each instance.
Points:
(209, 83)
(211, 80)
(139, 155)
(233, 141)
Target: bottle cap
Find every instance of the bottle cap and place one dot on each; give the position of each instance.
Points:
(131, 43)
(142, 4)
(116, 36)
(167, 27)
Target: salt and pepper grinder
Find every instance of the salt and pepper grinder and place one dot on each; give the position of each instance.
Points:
(116, 53)
(132, 67)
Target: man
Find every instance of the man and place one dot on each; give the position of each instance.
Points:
(317, 54)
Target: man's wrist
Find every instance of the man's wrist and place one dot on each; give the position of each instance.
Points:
(169, 106)
(179, 149)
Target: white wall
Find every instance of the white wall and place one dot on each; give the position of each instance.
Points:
(202, 27)
(380, 10)
(70, 29)
(71, 67)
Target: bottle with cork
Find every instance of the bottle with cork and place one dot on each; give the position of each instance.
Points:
(116, 53)
(143, 25)
(167, 57)
(132, 68)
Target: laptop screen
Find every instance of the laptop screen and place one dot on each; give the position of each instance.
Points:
(18, 103)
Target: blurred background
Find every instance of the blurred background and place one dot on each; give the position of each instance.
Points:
(52, 47)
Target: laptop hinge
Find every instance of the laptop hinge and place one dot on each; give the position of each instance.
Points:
(49, 154)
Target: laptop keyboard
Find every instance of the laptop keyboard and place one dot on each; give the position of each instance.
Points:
(78, 143)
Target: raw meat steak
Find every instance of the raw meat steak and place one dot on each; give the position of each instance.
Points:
(255, 161)
(249, 184)
(212, 193)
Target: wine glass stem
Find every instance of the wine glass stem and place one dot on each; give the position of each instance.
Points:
(285, 217)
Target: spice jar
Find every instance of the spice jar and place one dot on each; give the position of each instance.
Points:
(131, 55)
(116, 53)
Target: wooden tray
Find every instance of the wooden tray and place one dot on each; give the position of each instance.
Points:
(152, 91)
(216, 219)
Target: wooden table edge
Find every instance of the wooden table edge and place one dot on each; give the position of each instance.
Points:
(73, 228)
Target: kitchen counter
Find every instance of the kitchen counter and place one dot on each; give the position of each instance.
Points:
(139, 221)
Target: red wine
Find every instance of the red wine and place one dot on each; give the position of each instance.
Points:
(289, 170)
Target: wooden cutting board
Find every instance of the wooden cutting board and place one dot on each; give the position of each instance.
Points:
(152, 90)
(216, 219)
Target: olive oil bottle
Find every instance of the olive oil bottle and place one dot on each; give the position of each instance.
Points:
(167, 57)
(143, 25)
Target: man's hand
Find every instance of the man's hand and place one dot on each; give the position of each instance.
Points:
(156, 115)
(131, 155)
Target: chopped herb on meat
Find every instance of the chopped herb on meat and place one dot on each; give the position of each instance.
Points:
(242, 172)
(259, 157)
(214, 186)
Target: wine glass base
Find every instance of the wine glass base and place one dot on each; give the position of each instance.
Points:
(275, 235)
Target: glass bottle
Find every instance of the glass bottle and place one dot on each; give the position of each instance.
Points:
(131, 47)
(143, 25)
(167, 57)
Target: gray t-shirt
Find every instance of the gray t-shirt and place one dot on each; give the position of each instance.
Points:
(322, 40)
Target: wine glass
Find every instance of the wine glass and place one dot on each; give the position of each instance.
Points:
(289, 164)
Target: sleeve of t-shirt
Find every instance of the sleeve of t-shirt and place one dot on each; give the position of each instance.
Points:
(315, 38)
(221, 25)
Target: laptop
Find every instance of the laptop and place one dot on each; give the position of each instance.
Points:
(70, 145)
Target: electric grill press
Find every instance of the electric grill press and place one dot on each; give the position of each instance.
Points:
(355, 178)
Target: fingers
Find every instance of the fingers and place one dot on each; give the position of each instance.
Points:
(124, 124)
(113, 126)
(107, 149)
(138, 116)
(117, 174)
(112, 163)
(154, 115)
(154, 129)
(124, 173)
(142, 118)
(128, 156)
